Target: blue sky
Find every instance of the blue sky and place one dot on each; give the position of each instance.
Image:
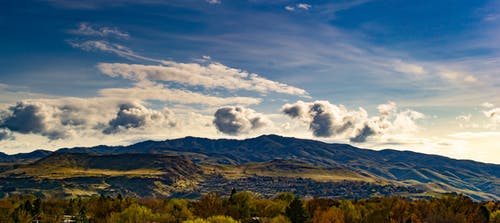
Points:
(419, 76)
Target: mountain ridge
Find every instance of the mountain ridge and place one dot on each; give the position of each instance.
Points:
(35, 153)
(480, 180)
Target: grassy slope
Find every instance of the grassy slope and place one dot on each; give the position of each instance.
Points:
(287, 169)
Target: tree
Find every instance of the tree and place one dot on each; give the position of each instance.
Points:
(213, 219)
(179, 210)
(351, 213)
(332, 215)
(495, 217)
(286, 197)
(296, 212)
(133, 214)
(269, 208)
(241, 206)
(209, 205)
(82, 215)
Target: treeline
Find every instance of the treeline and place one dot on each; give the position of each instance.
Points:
(245, 207)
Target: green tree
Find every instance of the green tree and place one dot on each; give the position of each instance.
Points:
(241, 206)
(351, 213)
(296, 212)
(178, 209)
(133, 214)
(286, 197)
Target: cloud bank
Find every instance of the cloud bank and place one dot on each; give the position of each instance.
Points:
(68, 117)
(328, 120)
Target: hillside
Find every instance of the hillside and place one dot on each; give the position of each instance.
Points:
(276, 156)
(80, 174)
(286, 168)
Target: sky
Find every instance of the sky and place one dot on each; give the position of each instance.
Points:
(406, 75)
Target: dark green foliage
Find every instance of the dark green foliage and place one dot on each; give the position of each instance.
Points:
(296, 212)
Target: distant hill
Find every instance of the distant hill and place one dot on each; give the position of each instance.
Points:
(430, 173)
(37, 154)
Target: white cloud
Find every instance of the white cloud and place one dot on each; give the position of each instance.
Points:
(86, 29)
(34, 117)
(387, 109)
(487, 105)
(408, 68)
(213, 75)
(214, 1)
(458, 77)
(65, 118)
(494, 116)
(329, 120)
(303, 6)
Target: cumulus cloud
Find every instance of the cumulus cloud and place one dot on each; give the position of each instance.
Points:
(6, 134)
(324, 119)
(33, 117)
(327, 120)
(86, 29)
(363, 133)
(133, 115)
(68, 117)
(238, 120)
(386, 110)
(213, 75)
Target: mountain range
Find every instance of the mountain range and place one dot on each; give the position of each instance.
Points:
(267, 164)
